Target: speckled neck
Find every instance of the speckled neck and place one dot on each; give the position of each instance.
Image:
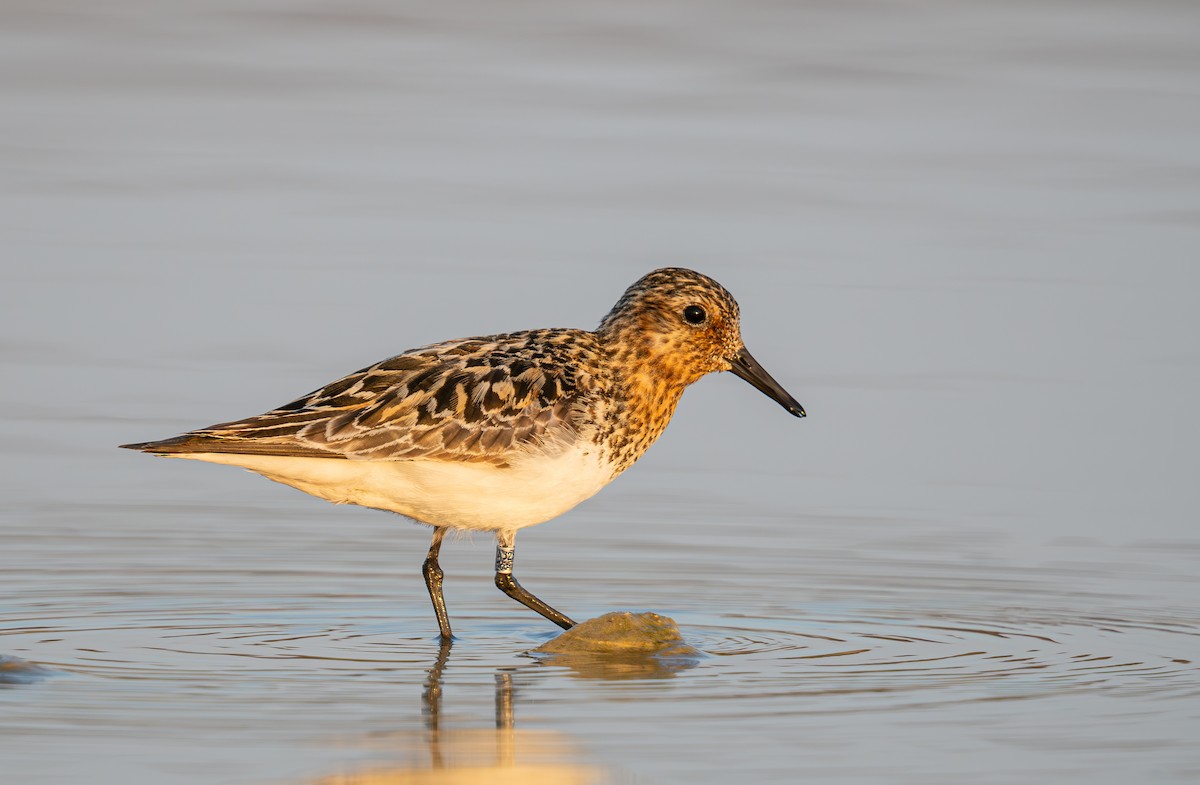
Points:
(647, 382)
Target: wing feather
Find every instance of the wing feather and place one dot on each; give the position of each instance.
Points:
(476, 399)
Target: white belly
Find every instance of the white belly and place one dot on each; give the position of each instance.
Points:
(535, 488)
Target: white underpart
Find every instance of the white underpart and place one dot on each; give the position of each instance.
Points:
(534, 488)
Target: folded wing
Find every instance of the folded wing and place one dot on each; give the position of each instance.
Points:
(471, 400)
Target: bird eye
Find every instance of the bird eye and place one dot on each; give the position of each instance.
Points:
(694, 314)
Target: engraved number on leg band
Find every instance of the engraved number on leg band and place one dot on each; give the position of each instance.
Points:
(504, 559)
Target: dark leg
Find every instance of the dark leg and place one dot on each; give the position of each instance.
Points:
(505, 582)
(433, 581)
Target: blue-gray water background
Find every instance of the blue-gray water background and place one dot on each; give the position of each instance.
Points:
(964, 234)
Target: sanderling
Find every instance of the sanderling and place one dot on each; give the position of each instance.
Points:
(499, 432)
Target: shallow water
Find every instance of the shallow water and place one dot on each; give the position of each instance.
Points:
(962, 235)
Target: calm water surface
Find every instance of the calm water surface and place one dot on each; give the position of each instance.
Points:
(963, 235)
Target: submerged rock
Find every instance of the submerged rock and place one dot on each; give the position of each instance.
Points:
(639, 643)
(14, 670)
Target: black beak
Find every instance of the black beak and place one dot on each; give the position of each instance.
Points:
(745, 366)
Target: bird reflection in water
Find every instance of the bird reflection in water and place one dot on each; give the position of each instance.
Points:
(503, 754)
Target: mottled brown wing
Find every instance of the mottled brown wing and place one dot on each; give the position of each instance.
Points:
(469, 400)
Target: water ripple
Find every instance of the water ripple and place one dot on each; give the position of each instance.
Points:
(996, 660)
